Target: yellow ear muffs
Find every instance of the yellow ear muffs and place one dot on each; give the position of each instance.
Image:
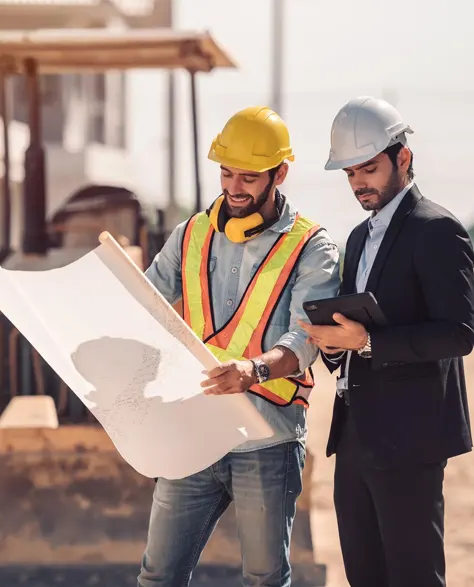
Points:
(237, 230)
(216, 215)
(240, 230)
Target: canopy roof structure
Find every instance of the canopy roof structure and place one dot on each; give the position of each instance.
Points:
(83, 50)
(68, 51)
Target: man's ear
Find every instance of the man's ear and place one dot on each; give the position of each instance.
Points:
(404, 159)
(281, 174)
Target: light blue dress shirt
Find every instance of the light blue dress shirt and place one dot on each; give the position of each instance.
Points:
(232, 265)
(377, 227)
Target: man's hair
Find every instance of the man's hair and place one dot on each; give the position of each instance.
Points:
(392, 152)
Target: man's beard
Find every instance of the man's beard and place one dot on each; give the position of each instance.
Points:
(253, 206)
(384, 196)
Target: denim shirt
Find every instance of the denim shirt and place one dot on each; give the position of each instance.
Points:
(232, 265)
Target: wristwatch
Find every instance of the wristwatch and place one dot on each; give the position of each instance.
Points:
(261, 370)
(366, 351)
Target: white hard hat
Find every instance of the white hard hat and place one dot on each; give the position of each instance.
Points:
(363, 128)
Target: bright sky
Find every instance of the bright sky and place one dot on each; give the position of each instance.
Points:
(421, 53)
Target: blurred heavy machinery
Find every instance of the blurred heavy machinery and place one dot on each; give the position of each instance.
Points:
(69, 503)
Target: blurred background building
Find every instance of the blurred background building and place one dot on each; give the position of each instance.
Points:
(306, 58)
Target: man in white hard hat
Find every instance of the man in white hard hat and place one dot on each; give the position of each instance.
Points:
(401, 409)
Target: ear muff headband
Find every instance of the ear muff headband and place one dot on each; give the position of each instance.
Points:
(239, 230)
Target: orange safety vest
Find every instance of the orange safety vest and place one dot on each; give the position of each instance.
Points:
(242, 336)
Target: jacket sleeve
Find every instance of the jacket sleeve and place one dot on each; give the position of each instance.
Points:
(444, 263)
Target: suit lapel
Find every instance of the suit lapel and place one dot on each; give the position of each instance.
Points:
(403, 210)
(352, 258)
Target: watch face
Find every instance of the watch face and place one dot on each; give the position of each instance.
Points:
(263, 371)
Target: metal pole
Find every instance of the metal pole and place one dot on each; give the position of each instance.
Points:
(277, 55)
(34, 189)
(171, 120)
(6, 202)
(171, 138)
(197, 174)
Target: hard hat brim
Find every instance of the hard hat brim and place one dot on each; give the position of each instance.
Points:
(333, 165)
(246, 166)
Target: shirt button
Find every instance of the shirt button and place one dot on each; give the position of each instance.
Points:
(229, 302)
(376, 246)
(234, 269)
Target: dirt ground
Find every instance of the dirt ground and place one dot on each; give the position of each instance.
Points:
(459, 493)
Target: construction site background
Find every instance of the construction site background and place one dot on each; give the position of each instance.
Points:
(72, 512)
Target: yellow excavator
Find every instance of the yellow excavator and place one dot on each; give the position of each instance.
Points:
(72, 511)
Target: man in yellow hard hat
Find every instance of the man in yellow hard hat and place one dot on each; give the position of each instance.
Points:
(242, 270)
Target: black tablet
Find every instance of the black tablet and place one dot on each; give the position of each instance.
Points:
(360, 307)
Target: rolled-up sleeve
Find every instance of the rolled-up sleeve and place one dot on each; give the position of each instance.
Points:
(165, 269)
(317, 277)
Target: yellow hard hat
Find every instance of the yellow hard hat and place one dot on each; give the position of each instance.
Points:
(254, 139)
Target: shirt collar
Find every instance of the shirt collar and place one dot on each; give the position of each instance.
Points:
(287, 218)
(384, 217)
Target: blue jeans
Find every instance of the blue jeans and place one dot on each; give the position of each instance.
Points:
(264, 485)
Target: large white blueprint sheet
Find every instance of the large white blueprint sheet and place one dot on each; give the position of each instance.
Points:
(131, 359)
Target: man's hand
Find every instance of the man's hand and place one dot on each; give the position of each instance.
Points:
(347, 335)
(230, 377)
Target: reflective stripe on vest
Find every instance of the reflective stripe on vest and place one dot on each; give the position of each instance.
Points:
(243, 335)
(195, 266)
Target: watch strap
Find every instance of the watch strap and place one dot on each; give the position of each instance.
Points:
(366, 351)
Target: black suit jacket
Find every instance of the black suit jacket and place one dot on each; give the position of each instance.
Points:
(409, 401)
